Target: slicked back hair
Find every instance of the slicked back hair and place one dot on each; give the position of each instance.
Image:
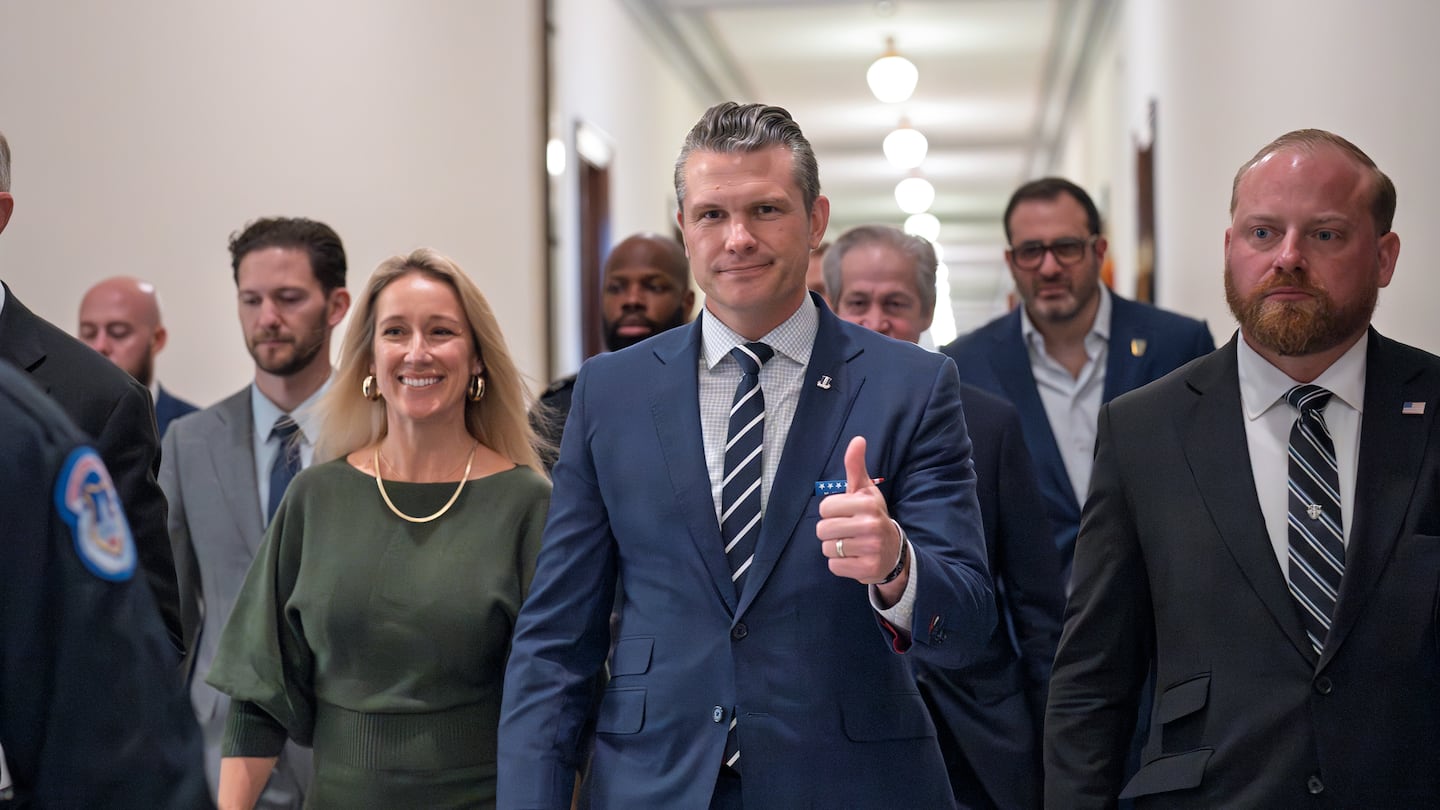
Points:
(318, 240)
(1382, 204)
(729, 127)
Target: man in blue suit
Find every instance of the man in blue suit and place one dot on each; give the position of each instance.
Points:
(1072, 345)
(120, 318)
(988, 714)
(760, 662)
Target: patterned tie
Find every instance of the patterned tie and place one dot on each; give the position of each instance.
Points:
(1317, 555)
(287, 461)
(740, 492)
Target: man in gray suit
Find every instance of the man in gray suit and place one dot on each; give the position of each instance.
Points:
(225, 468)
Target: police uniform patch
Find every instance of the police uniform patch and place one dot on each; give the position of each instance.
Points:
(86, 499)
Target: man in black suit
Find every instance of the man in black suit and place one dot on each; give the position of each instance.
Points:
(988, 714)
(109, 406)
(1262, 530)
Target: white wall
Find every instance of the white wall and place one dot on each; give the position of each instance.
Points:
(610, 76)
(1229, 76)
(145, 132)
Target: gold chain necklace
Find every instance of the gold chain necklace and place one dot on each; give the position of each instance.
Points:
(379, 482)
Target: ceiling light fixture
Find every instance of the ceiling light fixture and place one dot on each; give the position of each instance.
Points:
(925, 226)
(892, 77)
(905, 147)
(914, 195)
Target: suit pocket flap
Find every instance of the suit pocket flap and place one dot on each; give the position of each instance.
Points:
(1172, 772)
(622, 711)
(632, 656)
(888, 717)
(1184, 698)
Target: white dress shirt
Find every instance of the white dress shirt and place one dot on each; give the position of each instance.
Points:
(1072, 404)
(1268, 419)
(267, 449)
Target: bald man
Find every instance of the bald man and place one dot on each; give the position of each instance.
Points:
(120, 318)
(646, 291)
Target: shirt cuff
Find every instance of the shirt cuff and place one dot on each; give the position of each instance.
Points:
(250, 731)
(900, 615)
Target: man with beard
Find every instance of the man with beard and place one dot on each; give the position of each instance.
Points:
(1071, 346)
(108, 406)
(120, 318)
(226, 467)
(1262, 531)
(646, 291)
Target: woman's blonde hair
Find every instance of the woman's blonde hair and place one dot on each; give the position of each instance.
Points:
(350, 421)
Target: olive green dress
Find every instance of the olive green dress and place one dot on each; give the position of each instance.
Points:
(379, 642)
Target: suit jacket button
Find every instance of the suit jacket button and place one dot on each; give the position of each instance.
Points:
(1323, 685)
(1314, 785)
(718, 714)
(739, 631)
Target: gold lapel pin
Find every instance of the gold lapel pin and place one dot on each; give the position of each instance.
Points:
(1137, 347)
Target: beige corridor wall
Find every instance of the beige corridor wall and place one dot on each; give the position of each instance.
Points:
(145, 132)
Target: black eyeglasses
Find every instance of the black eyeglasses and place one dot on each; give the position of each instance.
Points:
(1068, 251)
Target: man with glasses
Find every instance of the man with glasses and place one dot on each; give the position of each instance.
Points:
(1072, 346)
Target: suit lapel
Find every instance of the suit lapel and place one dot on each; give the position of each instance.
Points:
(810, 443)
(675, 408)
(232, 457)
(1010, 359)
(19, 344)
(1392, 449)
(1125, 360)
(1213, 438)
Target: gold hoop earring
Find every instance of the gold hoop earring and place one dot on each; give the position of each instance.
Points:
(476, 389)
(369, 389)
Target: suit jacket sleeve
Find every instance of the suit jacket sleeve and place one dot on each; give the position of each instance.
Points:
(187, 566)
(934, 499)
(1106, 648)
(131, 449)
(549, 680)
(1029, 564)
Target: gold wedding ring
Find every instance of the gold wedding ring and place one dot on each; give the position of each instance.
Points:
(840, 549)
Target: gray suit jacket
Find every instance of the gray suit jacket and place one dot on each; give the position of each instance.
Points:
(208, 475)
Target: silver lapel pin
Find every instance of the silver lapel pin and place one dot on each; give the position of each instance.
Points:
(824, 382)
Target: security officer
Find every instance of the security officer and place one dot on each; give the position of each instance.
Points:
(91, 714)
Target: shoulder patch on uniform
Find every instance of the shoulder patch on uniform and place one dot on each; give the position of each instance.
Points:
(86, 498)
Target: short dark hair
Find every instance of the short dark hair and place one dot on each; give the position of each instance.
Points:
(1050, 188)
(318, 240)
(1382, 205)
(729, 127)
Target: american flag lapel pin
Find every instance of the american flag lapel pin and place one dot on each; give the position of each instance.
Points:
(1412, 408)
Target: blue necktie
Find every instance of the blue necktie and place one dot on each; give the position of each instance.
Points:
(740, 492)
(287, 461)
(1317, 555)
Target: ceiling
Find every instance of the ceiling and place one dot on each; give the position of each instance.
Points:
(997, 78)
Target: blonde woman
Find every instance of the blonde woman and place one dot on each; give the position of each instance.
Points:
(376, 620)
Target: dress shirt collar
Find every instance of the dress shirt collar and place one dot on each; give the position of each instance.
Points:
(266, 412)
(795, 338)
(1262, 385)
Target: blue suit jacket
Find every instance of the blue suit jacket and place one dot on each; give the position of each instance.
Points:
(989, 714)
(829, 714)
(168, 408)
(1146, 343)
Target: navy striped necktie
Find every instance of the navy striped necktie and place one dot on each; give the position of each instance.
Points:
(1317, 550)
(287, 461)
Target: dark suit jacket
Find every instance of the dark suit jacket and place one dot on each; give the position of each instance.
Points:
(989, 713)
(829, 714)
(1146, 343)
(114, 410)
(1174, 563)
(90, 712)
(168, 408)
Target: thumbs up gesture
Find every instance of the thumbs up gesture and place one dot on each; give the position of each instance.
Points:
(855, 530)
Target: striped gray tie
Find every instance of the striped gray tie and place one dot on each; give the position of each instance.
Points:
(1317, 553)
